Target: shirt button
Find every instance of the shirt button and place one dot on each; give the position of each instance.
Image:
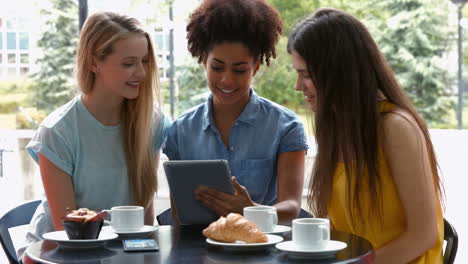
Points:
(232, 148)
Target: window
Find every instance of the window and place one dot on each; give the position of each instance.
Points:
(21, 23)
(24, 58)
(24, 70)
(159, 39)
(162, 73)
(15, 45)
(11, 58)
(11, 71)
(11, 23)
(23, 41)
(167, 43)
(11, 40)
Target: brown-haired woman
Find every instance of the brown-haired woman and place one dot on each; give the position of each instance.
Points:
(375, 173)
(263, 142)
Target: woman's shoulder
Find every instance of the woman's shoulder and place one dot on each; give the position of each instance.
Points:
(61, 116)
(196, 113)
(398, 118)
(400, 129)
(271, 107)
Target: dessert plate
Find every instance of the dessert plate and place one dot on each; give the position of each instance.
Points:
(293, 252)
(279, 229)
(62, 239)
(143, 232)
(242, 246)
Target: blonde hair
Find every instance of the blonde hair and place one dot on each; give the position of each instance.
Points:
(98, 36)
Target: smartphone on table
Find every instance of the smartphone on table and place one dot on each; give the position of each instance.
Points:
(140, 245)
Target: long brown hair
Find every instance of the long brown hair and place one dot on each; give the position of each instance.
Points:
(99, 33)
(348, 72)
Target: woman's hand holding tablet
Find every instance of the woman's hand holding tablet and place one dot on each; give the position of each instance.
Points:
(224, 203)
(184, 176)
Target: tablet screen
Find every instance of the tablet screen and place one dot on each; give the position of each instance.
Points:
(184, 176)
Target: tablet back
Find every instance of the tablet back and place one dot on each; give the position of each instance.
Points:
(184, 176)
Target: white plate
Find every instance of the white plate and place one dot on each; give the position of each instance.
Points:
(279, 229)
(143, 232)
(332, 248)
(62, 239)
(240, 245)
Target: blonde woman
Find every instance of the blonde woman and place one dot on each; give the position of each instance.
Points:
(101, 149)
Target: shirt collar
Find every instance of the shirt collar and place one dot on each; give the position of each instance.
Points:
(247, 116)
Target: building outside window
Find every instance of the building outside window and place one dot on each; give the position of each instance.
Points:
(15, 46)
(161, 41)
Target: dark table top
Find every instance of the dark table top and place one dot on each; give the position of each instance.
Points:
(187, 245)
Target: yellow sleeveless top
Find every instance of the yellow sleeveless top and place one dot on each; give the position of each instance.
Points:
(377, 232)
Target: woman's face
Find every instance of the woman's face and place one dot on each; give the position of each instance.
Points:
(122, 71)
(304, 82)
(229, 69)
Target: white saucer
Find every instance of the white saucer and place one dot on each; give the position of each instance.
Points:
(279, 229)
(62, 239)
(240, 245)
(293, 252)
(144, 231)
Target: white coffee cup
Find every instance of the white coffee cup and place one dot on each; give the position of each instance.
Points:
(126, 218)
(311, 233)
(265, 217)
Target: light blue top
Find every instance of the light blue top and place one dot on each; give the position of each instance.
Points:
(91, 153)
(263, 130)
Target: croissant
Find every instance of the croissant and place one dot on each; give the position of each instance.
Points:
(234, 227)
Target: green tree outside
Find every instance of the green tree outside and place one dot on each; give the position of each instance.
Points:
(55, 82)
(193, 86)
(412, 34)
(414, 41)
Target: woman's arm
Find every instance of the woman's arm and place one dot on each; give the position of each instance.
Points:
(290, 182)
(149, 213)
(149, 210)
(407, 156)
(59, 191)
(290, 168)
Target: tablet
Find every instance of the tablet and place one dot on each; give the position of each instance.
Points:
(184, 176)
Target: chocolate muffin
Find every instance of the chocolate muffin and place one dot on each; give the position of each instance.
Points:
(83, 224)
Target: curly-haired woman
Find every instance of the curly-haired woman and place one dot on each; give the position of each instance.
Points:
(264, 143)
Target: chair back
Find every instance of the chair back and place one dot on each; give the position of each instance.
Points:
(165, 218)
(451, 238)
(20, 215)
(304, 214)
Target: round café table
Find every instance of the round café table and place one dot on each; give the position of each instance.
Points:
(186, 244)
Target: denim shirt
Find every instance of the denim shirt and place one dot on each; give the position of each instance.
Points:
(263, 130)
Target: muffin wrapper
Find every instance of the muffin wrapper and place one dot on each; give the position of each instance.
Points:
(83, 230)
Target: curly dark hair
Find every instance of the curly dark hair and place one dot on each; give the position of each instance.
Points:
(254, 23)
